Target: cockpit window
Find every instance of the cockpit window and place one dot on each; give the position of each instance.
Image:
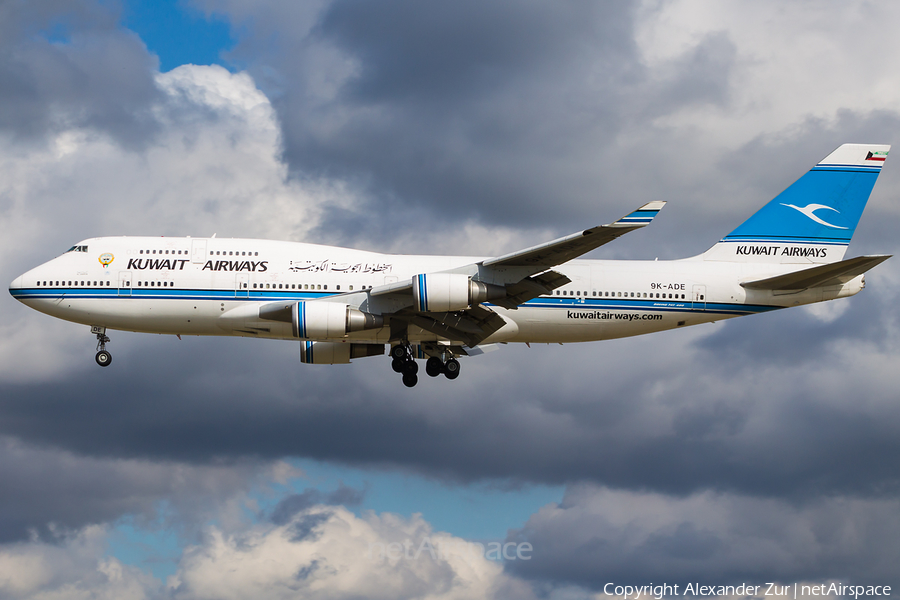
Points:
(77, 249)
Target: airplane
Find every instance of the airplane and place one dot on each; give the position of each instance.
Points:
(343, 304)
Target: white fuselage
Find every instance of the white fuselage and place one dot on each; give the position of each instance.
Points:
(200, 286)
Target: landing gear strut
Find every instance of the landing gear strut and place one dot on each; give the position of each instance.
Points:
(103, 357)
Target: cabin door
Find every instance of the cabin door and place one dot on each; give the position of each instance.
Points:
(124, 283)
(242, 286)
(698, 299)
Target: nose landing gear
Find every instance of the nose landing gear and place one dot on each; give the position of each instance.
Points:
(103, 357)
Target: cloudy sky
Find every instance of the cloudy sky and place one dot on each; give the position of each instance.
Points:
(758, 450)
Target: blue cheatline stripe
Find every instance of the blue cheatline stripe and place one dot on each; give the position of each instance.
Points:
(741, 239)
(423, 296)
(160, 294)
(568, 302)
(639, 216)
(819, 241)
(848, 168)
(306, 352)
(301, 319)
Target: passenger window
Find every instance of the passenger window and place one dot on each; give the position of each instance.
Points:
(351, 288)
(339, 288)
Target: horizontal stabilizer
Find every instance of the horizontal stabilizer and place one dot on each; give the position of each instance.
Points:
(823, 275)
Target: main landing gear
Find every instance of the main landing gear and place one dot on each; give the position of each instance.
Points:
(403, 362)
(103, 357)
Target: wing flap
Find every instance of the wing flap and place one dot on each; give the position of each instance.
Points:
(531, 287)
(823, 275)
(471, 326)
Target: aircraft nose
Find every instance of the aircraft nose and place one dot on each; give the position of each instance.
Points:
(15, 285)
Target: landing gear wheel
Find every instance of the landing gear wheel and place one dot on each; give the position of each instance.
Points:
(410, 379)
(410, 367)
(397, 365)
(103, 358)
(434, 366)
(451, 369)
(398, 352)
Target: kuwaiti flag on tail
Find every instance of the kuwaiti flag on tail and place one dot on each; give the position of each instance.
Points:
(878, 156)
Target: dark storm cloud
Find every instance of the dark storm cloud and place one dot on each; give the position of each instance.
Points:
(49, 493)
(505, 114)
(552, 422)
(596, 536)
(69, 65)
(794, 338)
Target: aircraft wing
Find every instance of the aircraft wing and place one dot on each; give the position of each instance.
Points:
(513, 278)
(831, 274)
(572, 246)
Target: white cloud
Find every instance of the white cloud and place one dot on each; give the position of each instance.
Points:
(73, 569)
(213, 167)
(793, 62)
(328, 552)
(323, 552)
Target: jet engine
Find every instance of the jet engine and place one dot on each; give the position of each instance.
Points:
(335, 353)
(442, 292)
(324, 320)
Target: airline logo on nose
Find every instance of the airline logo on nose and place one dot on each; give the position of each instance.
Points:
(106, 258)
(810, 211)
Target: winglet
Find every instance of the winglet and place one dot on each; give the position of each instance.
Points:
(642, 216)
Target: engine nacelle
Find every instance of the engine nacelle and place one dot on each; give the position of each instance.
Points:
(443, 292)
(336, 353)
(324, 320)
